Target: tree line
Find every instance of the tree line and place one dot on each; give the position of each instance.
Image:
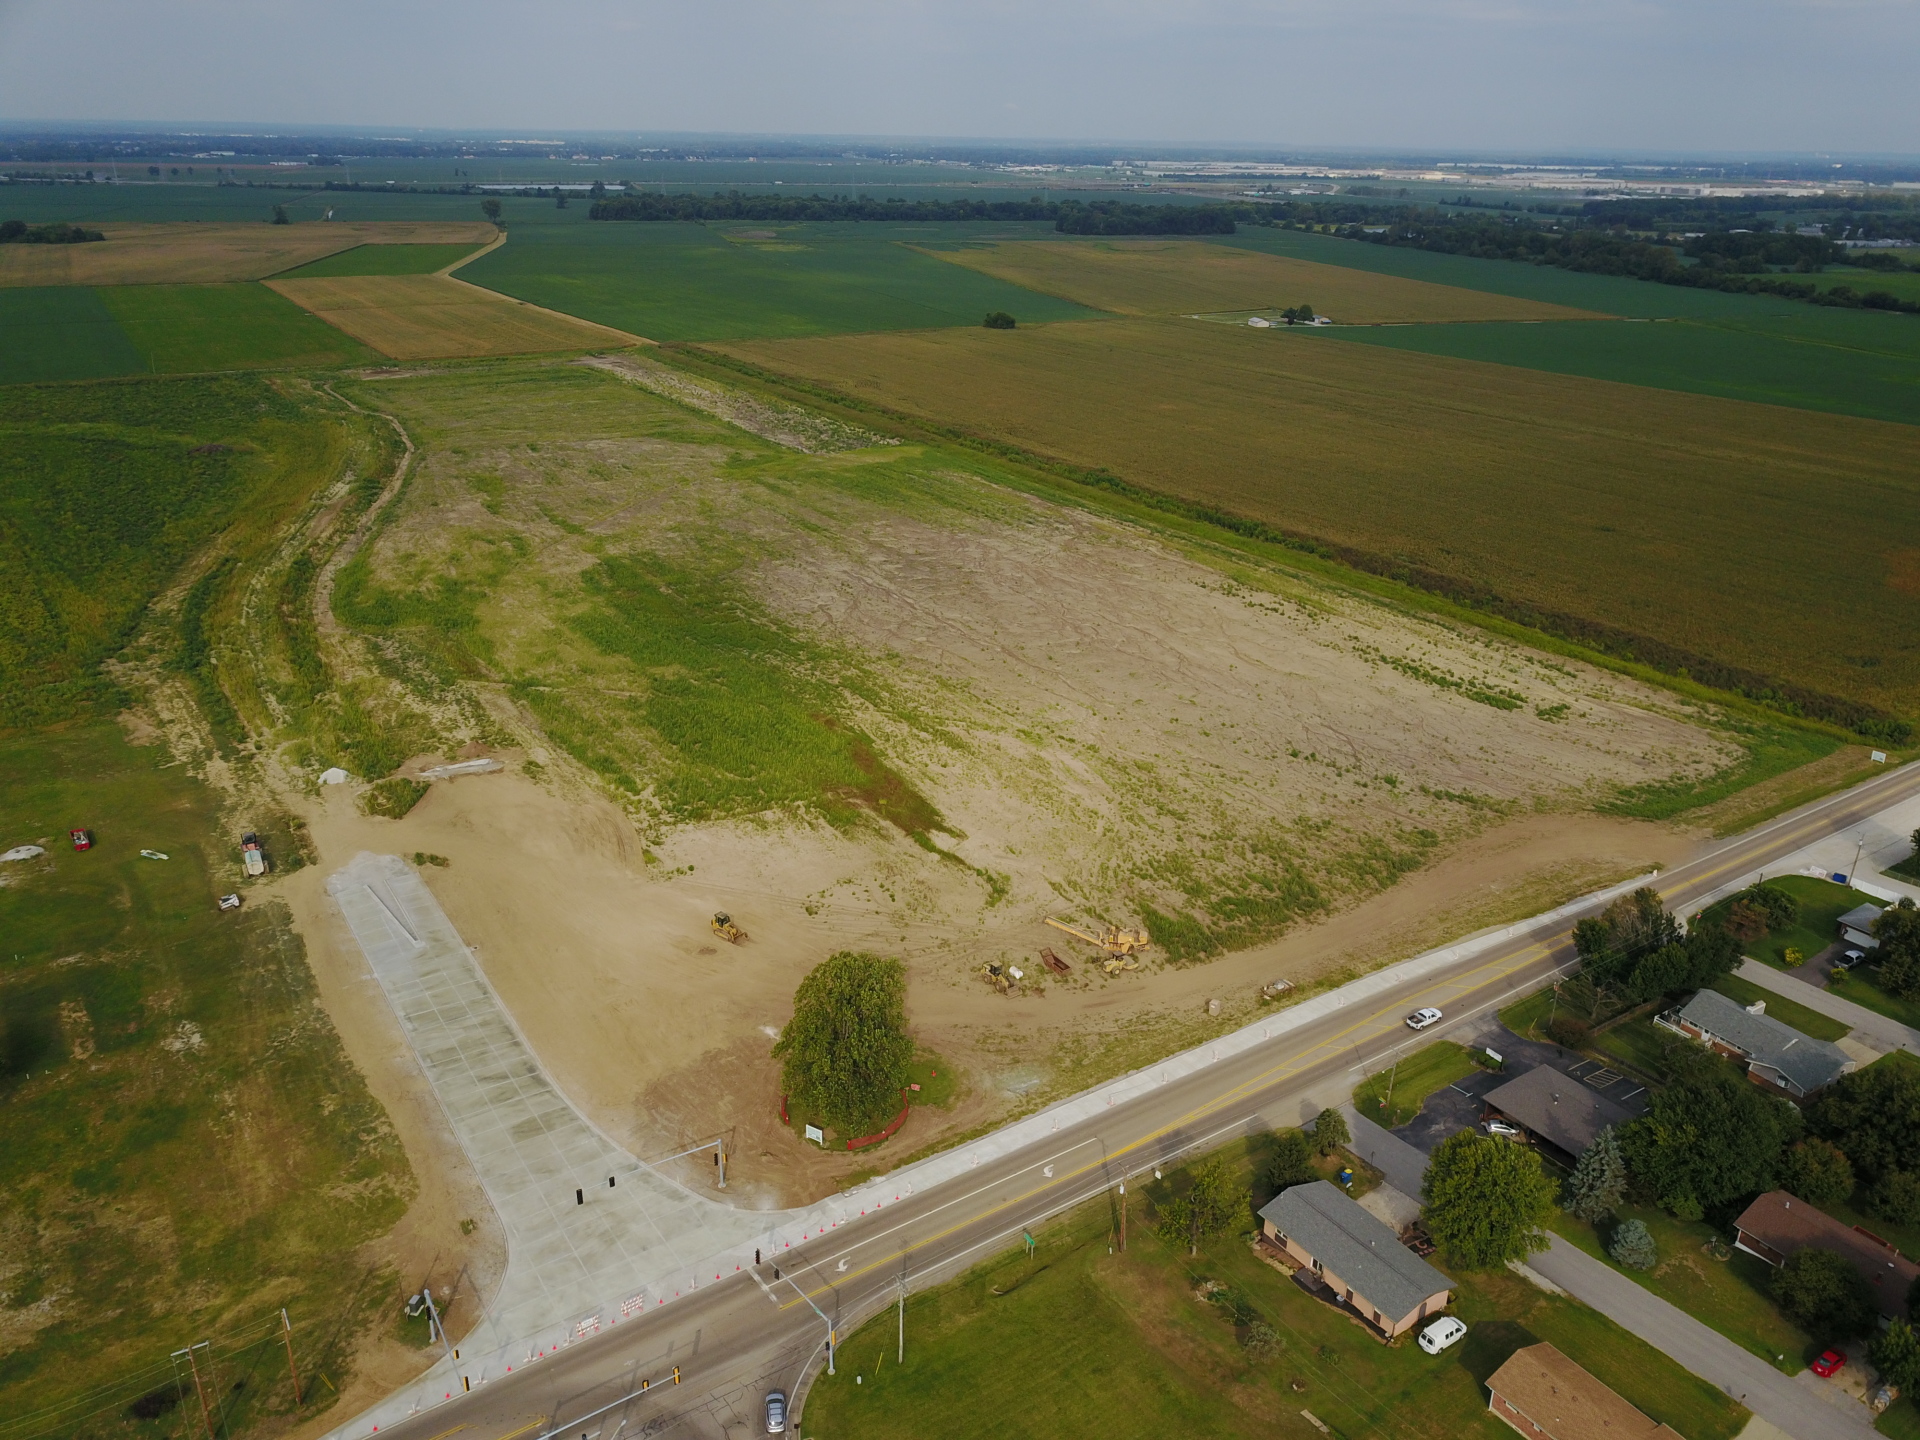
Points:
(1070, 217)
(19, 232)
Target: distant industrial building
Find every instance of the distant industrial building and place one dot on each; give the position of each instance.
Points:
(1776, 1054)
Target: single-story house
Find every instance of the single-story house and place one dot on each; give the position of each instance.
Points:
(1776, 1054)
(1556, 1108)
(1324, 1231)
(1856, 926)
(1541, 1393)
(1777, 1225)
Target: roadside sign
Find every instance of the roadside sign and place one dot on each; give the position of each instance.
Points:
(815, 1133)
(1879, 757)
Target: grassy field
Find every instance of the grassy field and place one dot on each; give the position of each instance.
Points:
(1822, 903)
(1079, 1342)
(1730, 1295)
(711, 282)
(1787, 1012)
(420, 317)
(1415, 1078)
(186, 253)
(187, 1149)
(1407, 457)
(382, 259)
(1179, 277)
(62, 333)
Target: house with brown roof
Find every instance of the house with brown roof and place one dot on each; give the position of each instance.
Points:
(1545, 1396)
(1778, 1225)
(1357, 1262)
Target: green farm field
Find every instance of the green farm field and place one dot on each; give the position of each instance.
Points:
(1582, 498)
(72, 332)
(709, 282)
(382, 260)
(1078, 1342)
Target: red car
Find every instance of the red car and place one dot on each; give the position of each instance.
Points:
(1829, 1362)
(82, 839)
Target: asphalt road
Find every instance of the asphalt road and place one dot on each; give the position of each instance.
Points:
(736, 1340)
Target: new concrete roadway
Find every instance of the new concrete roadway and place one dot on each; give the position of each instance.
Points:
(736, 1339)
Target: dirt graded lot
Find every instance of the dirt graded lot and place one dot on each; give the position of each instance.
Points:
(1084, 719)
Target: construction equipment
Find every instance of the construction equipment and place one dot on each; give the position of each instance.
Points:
(1114, 964)
(1054, 963)
(996, 975)
(723, 926)
(1114, 942)
(251, 853)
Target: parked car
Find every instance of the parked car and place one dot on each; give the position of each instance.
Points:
(229, 902)
(1421, 1019)
(82, 839)
(1850, 959)
(1501, 1127)
(1440, 1334)
(1830, 1361)
(776, 1412)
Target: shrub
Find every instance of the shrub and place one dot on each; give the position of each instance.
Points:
(1262, 1341)
(1895, 1353)
(1569, 1030)
(1825, 1295)
(1632, 1245)
(999, 320)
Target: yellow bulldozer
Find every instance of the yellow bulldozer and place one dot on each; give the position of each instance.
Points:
(1120, 945)
(723, 926)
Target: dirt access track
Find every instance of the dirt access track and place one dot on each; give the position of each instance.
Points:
(1286, 779)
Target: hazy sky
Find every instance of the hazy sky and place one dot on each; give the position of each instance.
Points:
(1521, 75)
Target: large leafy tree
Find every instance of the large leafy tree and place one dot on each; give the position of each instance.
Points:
(1898, 953)
(1599, 1179)
(1486, 1200)
(1896, 1355)
(1214, 1203)
(1709, 1138)
(1818, 1171)
(845, 1053)
(1825, 1294)
(1873, 1115)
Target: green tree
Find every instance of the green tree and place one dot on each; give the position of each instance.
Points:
(1599, 1179)
(1214, 1203)
(845, 1053)
(1825, 1295)
(1777, 905)
(1895, 1353)
(1291, 1160)
(280, 215)
(1486, 1200)
(1632, 1245)
(1898, 954)
(490, 208)
(1330, 1131)
(1611, 943)
(1873, 1115)
(559, 200)
(1709, 1138)
(1895, 1196)
(1818, 1171)
(999, 320)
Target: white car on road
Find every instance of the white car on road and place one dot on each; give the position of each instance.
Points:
(1421, 1019)
(1440, 1334)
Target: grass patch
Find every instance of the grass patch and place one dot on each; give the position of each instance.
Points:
(1641, 1046)
(138, 1016)
(1528, 1018)
(1210, 414)
(1787, 1012)
(61, 333)
(1822, 903)
(936, 1078)
(1154, 1342)
(1907, 869)
(1863, 989)
(1394, 1096)
(674, 281)
(393, 797)
(382, 260)
(1770, 750)
(188, 329)
(1729, 1295)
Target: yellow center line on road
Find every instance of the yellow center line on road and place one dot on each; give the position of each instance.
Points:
(458, 1428)
(510, 1435)
(1281, 1072)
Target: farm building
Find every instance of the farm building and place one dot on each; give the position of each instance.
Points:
(1777, 1225)
(1541, 1393)
(1776, 1054)
(1856, 926)
(1556, 1109)
(1361, 1263)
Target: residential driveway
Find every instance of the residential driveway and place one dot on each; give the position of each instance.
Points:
(1796, 1405)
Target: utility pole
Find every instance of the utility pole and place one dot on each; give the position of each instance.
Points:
(823, 1320)
(1392, 1071)
(286, 1333)
(198, 1388)
(1123, 1217)
(1856, 857)
(439, 1329)
(720, 1159)
(902, 1284)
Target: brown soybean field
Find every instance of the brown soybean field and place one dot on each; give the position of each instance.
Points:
(190, 253)
(421, 317)
(1772, 539)
(1181, 277)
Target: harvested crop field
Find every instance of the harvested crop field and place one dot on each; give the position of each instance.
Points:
(1182, 277)
(1771, 539)
(381, 258)
(423, 317)
(194, 253)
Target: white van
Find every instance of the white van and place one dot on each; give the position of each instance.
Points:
(1440, 1334)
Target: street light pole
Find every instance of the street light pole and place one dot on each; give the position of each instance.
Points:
(823, 1319)
(1855, 871)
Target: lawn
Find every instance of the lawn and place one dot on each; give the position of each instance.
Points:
(187, 329)
(376, 259)
(1787, 1012)
(1181, 277)
(1729, 1295)
(1399, 459)
(61, 332)
(670, 281)
(188, 1148)
(1907, 869)
(1080, 1342)
(1410, 1083)
(1528, 1018)
(1861, 989)
(1822, 903)
(1639, 1045)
